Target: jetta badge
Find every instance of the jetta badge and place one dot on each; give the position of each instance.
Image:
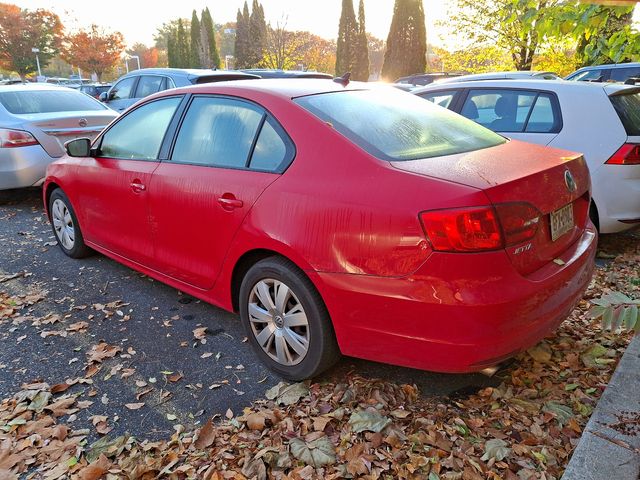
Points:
(569, 181)
(82, 122)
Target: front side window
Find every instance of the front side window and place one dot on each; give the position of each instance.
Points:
(123, 88)
(148, 85)
(217, 132)
(588, 76)
(511, 111)
(441, 98)
(139, 134)
(396, 126)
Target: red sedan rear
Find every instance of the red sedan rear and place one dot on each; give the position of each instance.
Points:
(336, 219)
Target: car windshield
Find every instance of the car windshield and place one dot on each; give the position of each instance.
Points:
(628, 109)
(47, 101)
(393, 125)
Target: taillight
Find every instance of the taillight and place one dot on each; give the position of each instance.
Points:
(477, 229)
(16, 138)
(463, 230)
(519, 221)
(627, 154)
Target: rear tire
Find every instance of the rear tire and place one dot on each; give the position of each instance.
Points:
(286, 320)
(65, 226)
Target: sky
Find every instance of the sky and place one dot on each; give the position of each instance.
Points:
(138, 20)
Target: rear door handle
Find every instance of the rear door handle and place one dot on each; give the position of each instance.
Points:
(138, 187)
(229, 202)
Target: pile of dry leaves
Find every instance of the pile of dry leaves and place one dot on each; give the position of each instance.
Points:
(359, 428)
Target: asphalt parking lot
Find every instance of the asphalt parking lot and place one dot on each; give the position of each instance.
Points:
(149, 327)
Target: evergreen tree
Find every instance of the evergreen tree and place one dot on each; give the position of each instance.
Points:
(195, 57)
(183, 54)
(407, 42)
(257, 35)
(347, 39)
(172, 50)
(211, 55)
(361, 57)
(243, 39)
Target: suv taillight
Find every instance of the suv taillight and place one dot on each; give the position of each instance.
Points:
(477, 229)
(627, 154)
(16, 138)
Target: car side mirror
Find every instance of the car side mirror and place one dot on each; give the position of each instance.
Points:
(103, 96)
(81, 147)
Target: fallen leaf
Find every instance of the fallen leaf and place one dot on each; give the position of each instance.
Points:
(134, 406)
(206, 437)
(367, 420)
(495, 449)
(317, 453)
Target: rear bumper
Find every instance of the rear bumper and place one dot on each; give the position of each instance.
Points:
(616, 192)
(23, 166)
(457, 313)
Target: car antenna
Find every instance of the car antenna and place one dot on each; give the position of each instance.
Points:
(344, 79)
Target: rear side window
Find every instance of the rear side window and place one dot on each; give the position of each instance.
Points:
(47, 101)
(513, 111)
(441, 98)
(628, 109)
(217, 132)
(139, 134)
(273, 150)
(622, 74)
(394, 125)
(148, 85)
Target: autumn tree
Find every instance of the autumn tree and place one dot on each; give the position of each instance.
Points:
(209, 44)
(93, 50)
(361, 57)
(473, 59)
(407, 41)
(243, 38)
(347, 39)
(149, 56)
(195, 45)
(21, 30)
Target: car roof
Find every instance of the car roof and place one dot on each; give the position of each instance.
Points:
(552, 85)
(276, 73)
(607, 66)
(280, 87)
(497, 76)
(21, 87)
(187, 72)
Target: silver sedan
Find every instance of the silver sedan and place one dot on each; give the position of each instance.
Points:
(36, 120)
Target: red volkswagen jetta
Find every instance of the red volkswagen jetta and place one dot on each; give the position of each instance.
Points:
(336, 219)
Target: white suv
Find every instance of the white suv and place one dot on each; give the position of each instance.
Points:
(600, 120)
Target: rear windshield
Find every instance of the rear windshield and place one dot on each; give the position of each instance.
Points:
(47, 101)
(393, 125)
(628, 109)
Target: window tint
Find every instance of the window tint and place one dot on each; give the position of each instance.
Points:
(394, 126)
(628, 109)
(139, 134)
(122, 89)
(217, 132)
(542, 119)
(148, 85)
(271, 152)
(589, 76)
(47, 101)
(443, 99)
(622, 74)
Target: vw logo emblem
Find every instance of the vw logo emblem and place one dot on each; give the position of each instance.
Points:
(570, 182)
(82, 122)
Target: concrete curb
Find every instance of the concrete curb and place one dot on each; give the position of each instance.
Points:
(600, 458)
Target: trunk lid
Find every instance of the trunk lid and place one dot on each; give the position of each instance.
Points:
(522, 172)
(53, 130)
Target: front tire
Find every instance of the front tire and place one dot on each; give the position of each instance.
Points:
(286, 320)
(65, 226)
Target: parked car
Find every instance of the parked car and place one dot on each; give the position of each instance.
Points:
(427, 78)
(141, 83)
(618, 72)
(270, 73)
(515, 75)
(35, 121)
(95, 89)
(602, 121)
(334, 218)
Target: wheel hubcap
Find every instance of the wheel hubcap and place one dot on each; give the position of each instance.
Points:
(278, 322)
(63, 224)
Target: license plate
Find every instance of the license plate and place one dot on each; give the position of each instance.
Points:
(561, 221)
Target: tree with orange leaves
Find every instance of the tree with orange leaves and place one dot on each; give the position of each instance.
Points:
(148, 55)
(21, 30)
(93, 50)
